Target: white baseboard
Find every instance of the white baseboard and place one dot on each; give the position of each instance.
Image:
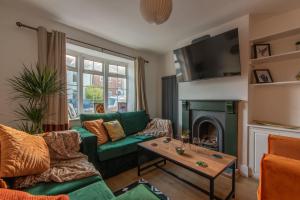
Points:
(244, 170)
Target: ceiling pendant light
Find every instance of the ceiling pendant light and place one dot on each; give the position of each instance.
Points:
(156, 11)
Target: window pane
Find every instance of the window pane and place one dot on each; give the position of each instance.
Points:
(70, 61)
(113, 69)
(72, 78)
(98, 66)
(88, 64)
(93, 92)
(117, 100)
(112, 82)
(121, 83)
(91, 97)
(72, 97)
(121, 70)
(92, 80)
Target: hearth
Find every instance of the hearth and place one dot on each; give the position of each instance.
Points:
(212, 124)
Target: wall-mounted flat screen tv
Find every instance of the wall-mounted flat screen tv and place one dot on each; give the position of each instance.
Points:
(217, 56)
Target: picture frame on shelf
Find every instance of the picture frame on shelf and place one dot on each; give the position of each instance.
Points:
(263, 76)
(262, 50)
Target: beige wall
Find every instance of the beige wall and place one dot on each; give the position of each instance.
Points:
(19, 46)
(220, 88)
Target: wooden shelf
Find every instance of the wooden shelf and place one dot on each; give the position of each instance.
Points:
(273, 128)
(277, 57)
(275, 36)
(276, 83)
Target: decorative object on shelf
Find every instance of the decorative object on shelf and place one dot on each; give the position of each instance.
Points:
(156, 11)
(298, 76)
(201, 164)
(262, 50)
(180, 150)
(297, 46)
(262, 76)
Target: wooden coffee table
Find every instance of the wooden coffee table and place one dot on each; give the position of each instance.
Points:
(192, 155)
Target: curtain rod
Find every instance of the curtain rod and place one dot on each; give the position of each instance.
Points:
(19, 24)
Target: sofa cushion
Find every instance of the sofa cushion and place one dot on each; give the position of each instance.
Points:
(106, 117)
(61, 188)
(114, 130)
(118, 148)
(137, 193)
(134, 122)
(96, 127)
(22, 154)
(95, 191)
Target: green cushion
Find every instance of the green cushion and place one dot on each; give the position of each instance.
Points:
(138, 193)
(95, 191)
(118, 148)
(106, 117)
(61, 188)
(134, 122)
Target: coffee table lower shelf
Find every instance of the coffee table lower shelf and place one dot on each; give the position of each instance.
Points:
(211, 191)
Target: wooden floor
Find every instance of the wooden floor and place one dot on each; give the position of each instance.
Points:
(177, 190)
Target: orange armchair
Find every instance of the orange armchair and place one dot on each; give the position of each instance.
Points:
(280, 170)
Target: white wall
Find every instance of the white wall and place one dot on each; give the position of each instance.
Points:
(235, 88)
(19, 46)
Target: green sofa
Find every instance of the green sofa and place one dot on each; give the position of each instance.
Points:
(114, 157)
(91, 188)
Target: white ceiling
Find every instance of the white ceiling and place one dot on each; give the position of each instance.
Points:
(120, 20)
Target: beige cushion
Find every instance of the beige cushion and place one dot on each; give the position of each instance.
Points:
(114, 130)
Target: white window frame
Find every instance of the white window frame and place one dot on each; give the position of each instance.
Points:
(79, 68)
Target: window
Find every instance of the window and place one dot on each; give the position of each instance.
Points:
(92, 81)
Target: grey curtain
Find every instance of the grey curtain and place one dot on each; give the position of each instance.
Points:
(52, 54)
(140, 91)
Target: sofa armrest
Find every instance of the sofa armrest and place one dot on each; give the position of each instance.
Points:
(279, 178)
(284, 146)
(88, 145)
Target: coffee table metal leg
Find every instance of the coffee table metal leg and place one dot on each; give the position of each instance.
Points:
(233, 180)
(211, 189)
(138, 163)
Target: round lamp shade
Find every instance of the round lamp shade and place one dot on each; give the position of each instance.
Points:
(156, 11)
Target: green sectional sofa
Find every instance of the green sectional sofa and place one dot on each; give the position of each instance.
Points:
(114, 157)
(91, 188)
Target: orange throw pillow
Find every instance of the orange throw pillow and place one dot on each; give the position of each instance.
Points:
(114, 130)
(7, 194)
(22, 154)
(96, 127)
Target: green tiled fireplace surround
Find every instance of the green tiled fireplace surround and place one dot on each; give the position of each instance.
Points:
(226, 108)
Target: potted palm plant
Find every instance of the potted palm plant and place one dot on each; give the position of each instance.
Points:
(31, 89)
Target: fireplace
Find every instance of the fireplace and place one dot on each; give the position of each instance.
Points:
(208, 132)
(212, 124)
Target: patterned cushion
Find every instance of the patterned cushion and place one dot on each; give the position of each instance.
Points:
(96, 127)
(114, 130)
(21, 153)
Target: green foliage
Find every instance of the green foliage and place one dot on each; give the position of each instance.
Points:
(32, 87)
(94, 94)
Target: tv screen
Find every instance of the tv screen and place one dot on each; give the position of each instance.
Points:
(216, 56)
